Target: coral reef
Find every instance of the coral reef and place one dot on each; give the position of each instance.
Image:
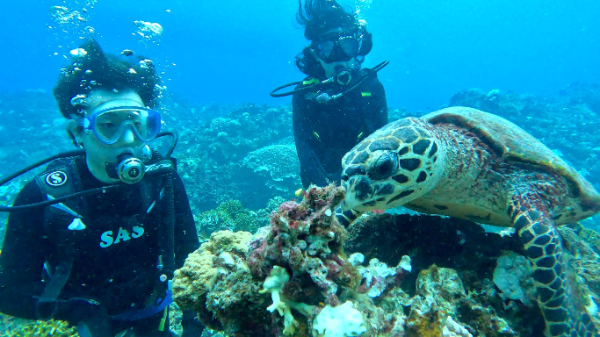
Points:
(477, 278)
(229, 215)
(294, 269)
(452, 277)
(263, 215)
(305, 238)
(582, 244)
(216, 283)
(215, 156)
(278, 165)
(43, 328)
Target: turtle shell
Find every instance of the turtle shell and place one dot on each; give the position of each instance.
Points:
(513, 144)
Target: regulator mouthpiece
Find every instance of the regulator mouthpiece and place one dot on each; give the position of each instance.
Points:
(130, 170)
(344, 77)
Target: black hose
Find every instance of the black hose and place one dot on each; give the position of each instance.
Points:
(175, 136)
(273, 94)
(67, 154)
(57, 200)
(167, 246)
(370, 72)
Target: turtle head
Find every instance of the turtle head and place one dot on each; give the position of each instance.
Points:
(393, 166)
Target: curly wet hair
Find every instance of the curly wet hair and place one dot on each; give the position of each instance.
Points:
(319, 17)
(96, 69)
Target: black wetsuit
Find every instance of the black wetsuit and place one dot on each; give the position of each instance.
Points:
(325, 132)
(115, 265)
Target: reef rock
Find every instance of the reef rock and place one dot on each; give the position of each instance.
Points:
(292, 280)
(216, 283)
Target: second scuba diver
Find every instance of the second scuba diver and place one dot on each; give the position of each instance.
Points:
(338, 104)
(102, 258)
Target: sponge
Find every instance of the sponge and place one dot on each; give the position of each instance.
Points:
(340, 321)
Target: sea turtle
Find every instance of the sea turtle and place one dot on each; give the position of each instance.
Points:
(469, 164)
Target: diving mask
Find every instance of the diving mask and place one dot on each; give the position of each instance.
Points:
(340, 46)
(109, 125)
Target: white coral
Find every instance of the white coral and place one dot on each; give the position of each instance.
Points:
(377, 275)
(511, 275)
(274, 283)
(340, 321)
(454, 329)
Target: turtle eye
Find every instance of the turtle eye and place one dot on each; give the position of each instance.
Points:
(385, 167)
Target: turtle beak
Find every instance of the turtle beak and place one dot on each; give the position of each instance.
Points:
(358, 191)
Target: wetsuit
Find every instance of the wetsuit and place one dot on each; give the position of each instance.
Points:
(115, 262)
(325, 132)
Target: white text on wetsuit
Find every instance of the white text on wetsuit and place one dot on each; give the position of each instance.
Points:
(123, 235)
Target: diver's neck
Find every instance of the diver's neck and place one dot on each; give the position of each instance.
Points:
(98, 171)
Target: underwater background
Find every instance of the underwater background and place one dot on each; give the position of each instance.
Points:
(535, 63)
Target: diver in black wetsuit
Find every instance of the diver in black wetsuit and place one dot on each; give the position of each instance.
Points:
(338, 104)
(103, 261)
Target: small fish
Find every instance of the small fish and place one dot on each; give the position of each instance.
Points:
(298, 192)
(378, 211)
(127, 52)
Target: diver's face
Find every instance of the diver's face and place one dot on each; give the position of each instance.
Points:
(99, 153)
(336, 67)
(337, 50)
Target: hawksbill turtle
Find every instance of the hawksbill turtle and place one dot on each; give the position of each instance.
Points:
(469, 164)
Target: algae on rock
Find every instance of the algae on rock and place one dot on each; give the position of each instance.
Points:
(49, 328)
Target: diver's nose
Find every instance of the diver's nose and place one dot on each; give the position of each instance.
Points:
(128, 136)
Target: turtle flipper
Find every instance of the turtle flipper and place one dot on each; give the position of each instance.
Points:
(543, 245)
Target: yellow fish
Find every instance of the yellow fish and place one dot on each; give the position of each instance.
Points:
(298, 193)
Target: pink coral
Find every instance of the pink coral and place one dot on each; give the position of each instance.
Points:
(306, 239)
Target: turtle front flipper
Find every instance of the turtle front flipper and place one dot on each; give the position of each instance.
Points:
(543, 245)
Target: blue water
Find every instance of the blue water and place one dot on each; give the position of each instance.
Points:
(238, 50)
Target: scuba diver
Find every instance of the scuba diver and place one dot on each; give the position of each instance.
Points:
(94, 239)
(338, 104)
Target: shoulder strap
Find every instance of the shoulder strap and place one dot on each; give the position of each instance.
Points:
(60, 178)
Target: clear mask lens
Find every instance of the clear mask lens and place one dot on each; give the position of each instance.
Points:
(349, 46)
(342, 49)
(325, 49)
(110, 125)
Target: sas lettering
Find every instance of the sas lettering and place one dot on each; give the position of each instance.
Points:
(122, 235)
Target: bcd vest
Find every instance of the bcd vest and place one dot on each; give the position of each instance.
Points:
(65, 224)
